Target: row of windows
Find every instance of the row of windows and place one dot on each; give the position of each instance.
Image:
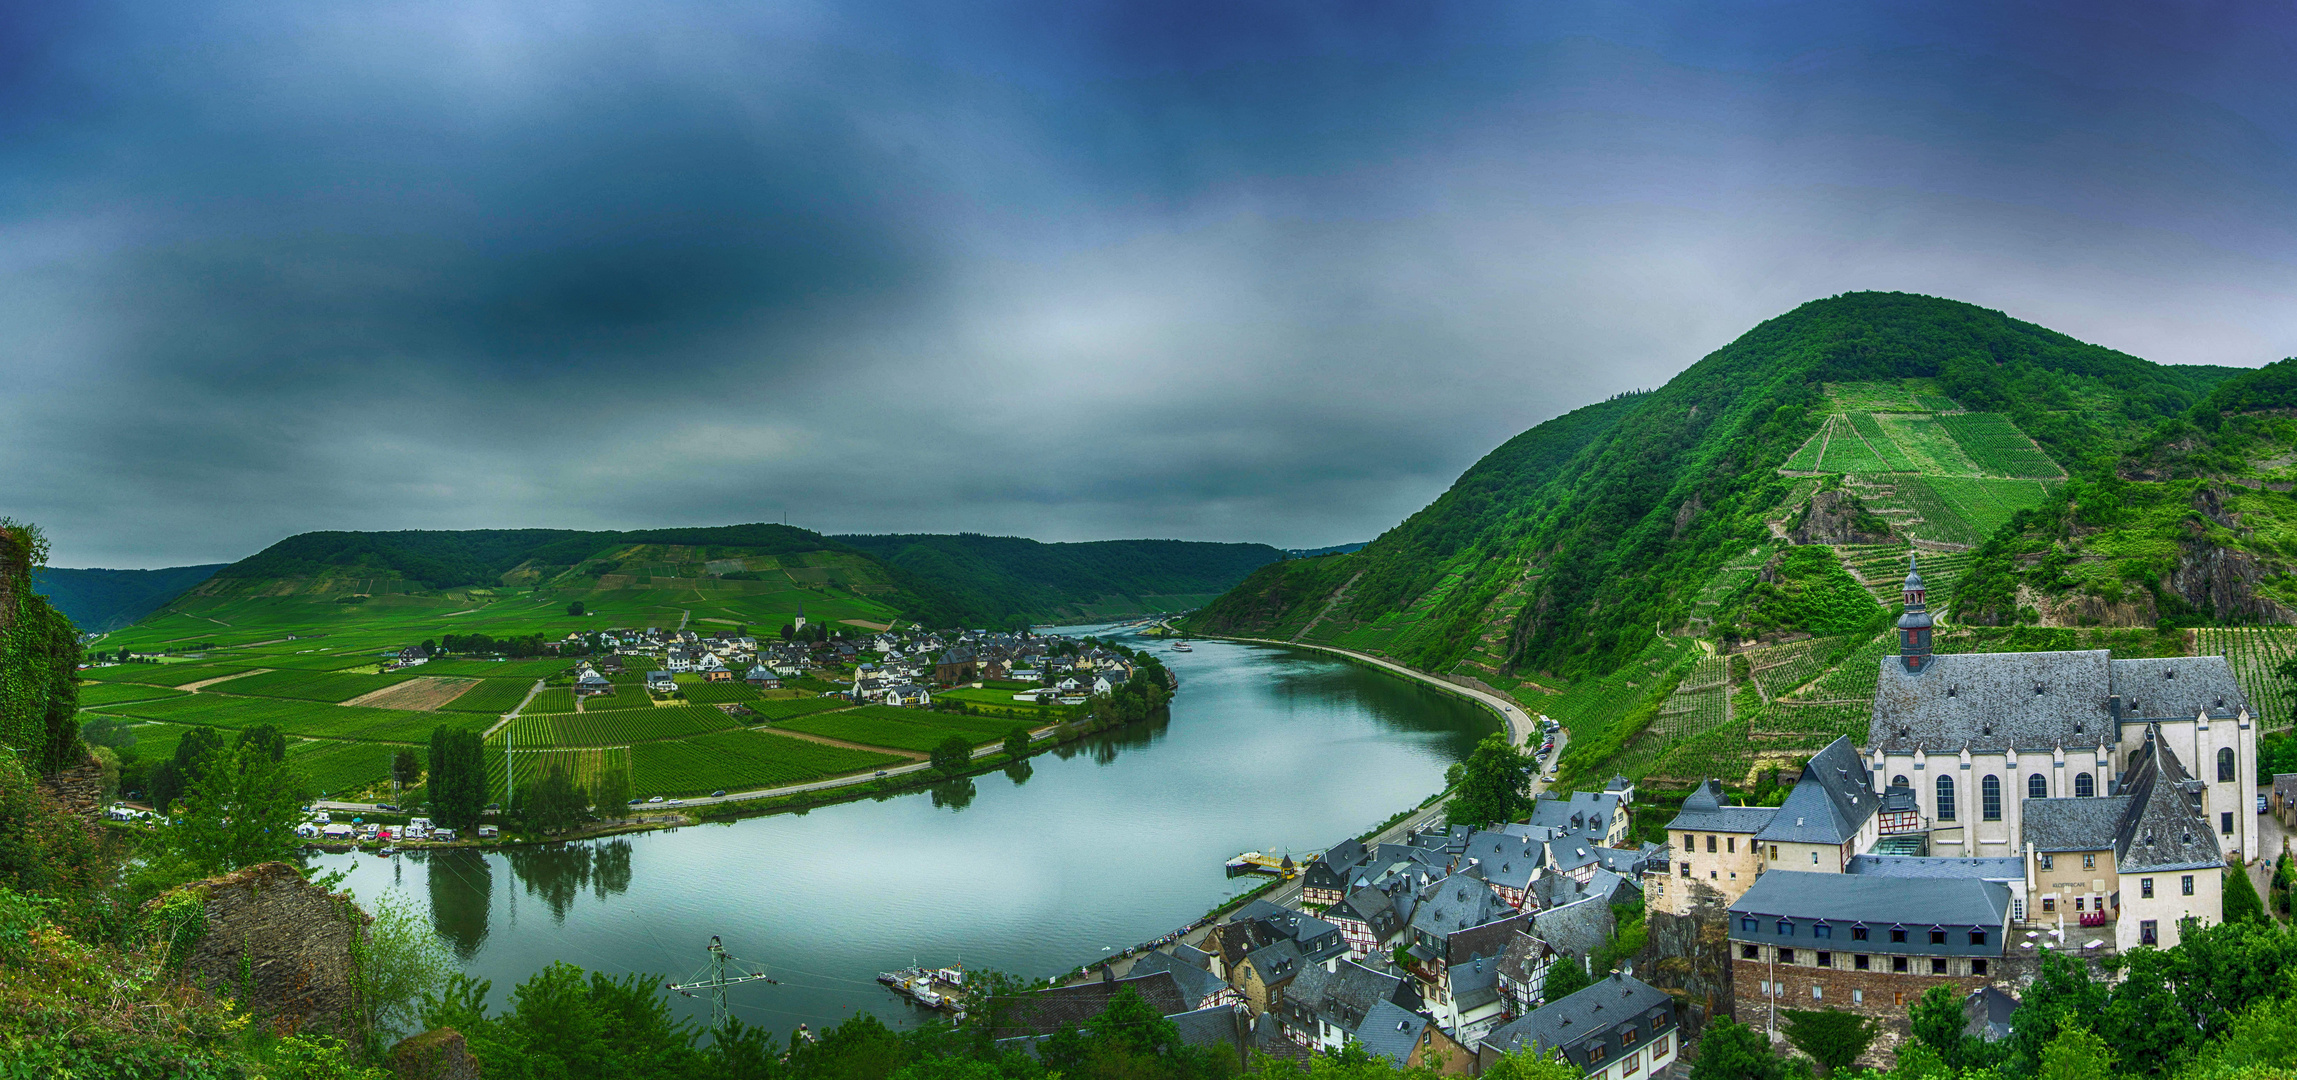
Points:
(1990, 793)
(1633, 1062)
(1898, 935)
(1899, 965)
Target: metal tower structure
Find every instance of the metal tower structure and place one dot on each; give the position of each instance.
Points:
(714, 979)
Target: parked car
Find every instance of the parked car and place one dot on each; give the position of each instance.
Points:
(655, 799)
(443, 835)
(2261, 804)
(489, 832)
(718, 794)
(388, 808)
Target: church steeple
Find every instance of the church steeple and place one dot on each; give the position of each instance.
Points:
(1914, 625)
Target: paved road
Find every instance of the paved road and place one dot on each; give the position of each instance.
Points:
(2270, 837)
(1520, 726)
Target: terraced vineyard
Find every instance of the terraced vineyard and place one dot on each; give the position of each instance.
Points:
(2256, 655)
(164, 674)
(616, 728)
(340, 766)
(314, 719)
(785, 708)
(95, 694)
(742, 759)
(901, 729)
(554, 699)
(721, 693)
(1780, 669)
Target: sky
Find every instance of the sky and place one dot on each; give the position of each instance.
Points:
(1236, 270)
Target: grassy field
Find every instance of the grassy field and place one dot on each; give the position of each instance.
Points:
(306, 718)
(491, 696)
(164, 674)
(324, 686)
(902, 729)
(93, 694)
(742, 759)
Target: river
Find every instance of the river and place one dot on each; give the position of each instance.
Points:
(1096, 846)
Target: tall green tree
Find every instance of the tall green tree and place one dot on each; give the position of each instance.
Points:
(554, 803)
(1938, 1022)
(613, 794)
(1565, 977)
(952, 754)
(267, 740)
(182, 771)
(1017, 743)
(2241, 902)
(458, 777)
(1495, 784)
(243, 812)
(1831, 1037)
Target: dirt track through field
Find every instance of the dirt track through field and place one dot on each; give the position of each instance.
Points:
(194, 687)
(421, 695)
(827, 741)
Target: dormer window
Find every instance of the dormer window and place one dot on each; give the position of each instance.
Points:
(2169, 673)
(1949, 691)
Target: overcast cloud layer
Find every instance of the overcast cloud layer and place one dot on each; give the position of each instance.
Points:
(1233, 271)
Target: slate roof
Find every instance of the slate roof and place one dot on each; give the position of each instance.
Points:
(1456, 903)
(1703, 811)
(2072, 824)
(1585, 813)
(1391, 1032)
(1987, 868)
(1989, 702)
(1876, 901)
(1487, 940)
(1195, 983)
(1577, 928)
(1474, 984)
(1590, 1012)
(2177, 688)
(1504, 858)
(1632, 860)
(1829, 803)
(1047, 1011)
(1343, 996)
(1222, 1027)
(2164, 828)
(1521, 957)
(1278, 962)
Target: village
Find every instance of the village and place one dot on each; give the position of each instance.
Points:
(2002, 808)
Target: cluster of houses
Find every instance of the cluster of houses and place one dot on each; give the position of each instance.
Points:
(2002, 806)
(890, 668)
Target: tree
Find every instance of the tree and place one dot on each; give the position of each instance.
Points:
(1495, 784)
(1833, 1038)
(243, 812)
(2061, 990)
(406, 768)
(458, 779)
(1939, 1024)
(1729, 1050)
(401, 959)
(1017, 743)
(266, 739)
(2076, 1054)
(554, 803)
(788, 631)
(952, 754)
(613, 794)
(1565, 977)
(2241, 902)
(1530, 1064)
(181, 772)
(574, 608)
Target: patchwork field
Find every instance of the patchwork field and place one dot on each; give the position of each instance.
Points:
(495, 696)
(422, 694)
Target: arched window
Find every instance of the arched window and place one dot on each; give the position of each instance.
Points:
(1899, 781)
(2037, 786)
(2084, 786)
(1945, 798)
(2225, 766)
(1990, 798)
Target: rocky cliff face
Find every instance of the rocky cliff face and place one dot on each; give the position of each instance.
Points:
(280, 946)
(1834, 517)
(1689, 956)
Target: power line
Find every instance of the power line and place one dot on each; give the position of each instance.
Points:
(717, 982)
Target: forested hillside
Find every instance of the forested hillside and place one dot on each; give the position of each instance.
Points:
(98, 600)
(1012, 576)
(1699, 578)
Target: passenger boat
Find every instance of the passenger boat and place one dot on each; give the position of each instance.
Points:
(933, 988)
(1182, 646)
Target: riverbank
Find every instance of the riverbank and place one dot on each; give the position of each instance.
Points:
(1520, 725)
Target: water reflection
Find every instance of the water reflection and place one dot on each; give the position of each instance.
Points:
(1019, 772)
(556, 874)
(954, 794)
(461, 890)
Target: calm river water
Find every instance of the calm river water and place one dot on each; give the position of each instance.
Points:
(1095, 847)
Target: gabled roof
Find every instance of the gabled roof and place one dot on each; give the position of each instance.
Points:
(2164, 828)
(1830, 803)
(1992, 701)
(1391, 1032)
(1521, 957)
(1505, 859)
(1590, 1012)
(1987, 867)
(1047, 1011)
(1195, 983)
(1577, 928)
(1875, 901)
(1343, 996)
(1456, 903)
(2177, 688)
(1703, 811)
(2072, 824)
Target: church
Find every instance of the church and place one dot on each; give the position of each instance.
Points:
(2075, 792)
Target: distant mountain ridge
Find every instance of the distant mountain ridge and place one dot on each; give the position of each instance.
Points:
(98, 600)
(1017, 576)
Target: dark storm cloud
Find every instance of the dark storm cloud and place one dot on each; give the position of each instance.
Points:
(1271, 271)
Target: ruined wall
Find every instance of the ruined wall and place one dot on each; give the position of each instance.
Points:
(78, 791)
(281, 947)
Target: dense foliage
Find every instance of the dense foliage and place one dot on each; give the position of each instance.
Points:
(101, 600)
(458, 777)
(39, 652)
(1606, 527)
(1492, 785)
(1004, 577)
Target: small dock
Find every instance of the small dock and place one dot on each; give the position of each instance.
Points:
(932, 988)
(1256, 862)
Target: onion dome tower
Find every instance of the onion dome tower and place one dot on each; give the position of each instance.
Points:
(1914, 625)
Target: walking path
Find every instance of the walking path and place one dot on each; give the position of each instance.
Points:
(1337, 595)
(513, 713)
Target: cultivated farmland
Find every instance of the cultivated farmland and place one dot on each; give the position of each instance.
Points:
(492, 696)
(325, 686)
(742, 759)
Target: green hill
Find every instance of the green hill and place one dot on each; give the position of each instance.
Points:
(1695, 577)
(98, 600)
(1012, 576)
